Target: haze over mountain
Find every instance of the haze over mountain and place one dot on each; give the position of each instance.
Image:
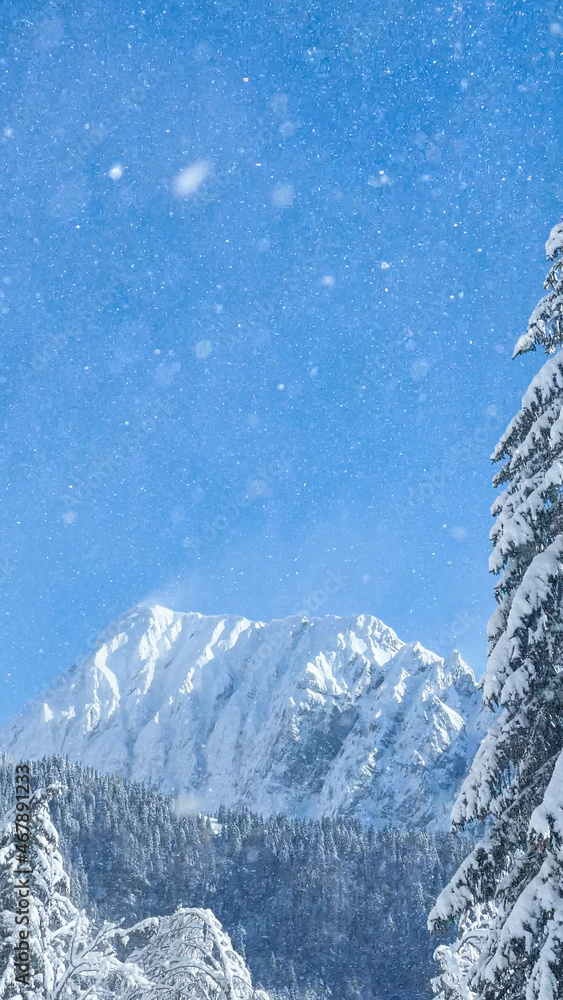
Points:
(334, 716)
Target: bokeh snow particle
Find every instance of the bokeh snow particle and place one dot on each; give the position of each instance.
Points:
(257, 488)
(282, 195)
(116, 172)
(203, 348)
(460, 534)
(327, 281)
(382, 180)
(189, 180)
(286, 129)
(419, 369)
(278, 103)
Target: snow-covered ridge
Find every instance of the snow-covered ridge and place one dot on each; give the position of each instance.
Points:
(330, 716)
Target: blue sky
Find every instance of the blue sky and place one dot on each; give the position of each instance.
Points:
(214, 399)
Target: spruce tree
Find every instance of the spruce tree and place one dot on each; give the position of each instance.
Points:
(68, 959)
(9, 931)
(516, 779)
(47, 905)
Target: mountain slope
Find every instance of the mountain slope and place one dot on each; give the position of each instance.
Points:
(333, 716)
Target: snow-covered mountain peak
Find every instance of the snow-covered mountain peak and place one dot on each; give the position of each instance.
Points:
(328, 716)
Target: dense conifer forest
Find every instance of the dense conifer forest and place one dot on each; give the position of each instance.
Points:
(311, 905)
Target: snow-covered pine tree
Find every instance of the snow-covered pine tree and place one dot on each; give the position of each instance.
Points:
(48, 907)
(188, 956)
(67, 959)
(517, 776)
(457, 960)
(9, 931)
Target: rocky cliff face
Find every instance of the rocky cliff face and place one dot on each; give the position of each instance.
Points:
(330, 716)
